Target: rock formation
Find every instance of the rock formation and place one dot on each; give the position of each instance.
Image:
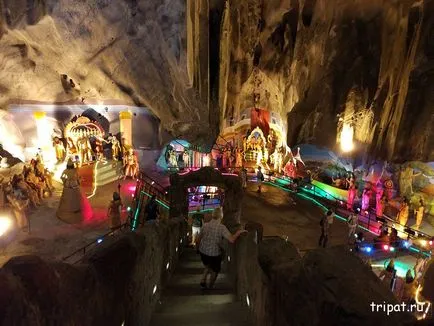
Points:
(196, 63)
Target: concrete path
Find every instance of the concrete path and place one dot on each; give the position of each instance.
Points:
(184, 303)
(286, 215)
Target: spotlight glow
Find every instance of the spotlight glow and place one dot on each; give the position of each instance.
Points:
(5, 225)
(154, 290)
(247, 300)
(99, 241)
(386, 247)
(423, 243)
(368, 249)
(347, 136)
(168, 265)
(392, 249)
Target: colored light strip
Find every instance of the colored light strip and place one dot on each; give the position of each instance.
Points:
(95, 185)
(336, 215)
(157, 200)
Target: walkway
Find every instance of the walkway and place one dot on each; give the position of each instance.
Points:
(286, 215)
(184, 303)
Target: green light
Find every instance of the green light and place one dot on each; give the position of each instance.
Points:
(158, 201)
(331, 191)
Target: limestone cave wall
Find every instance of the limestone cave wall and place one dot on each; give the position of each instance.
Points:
(195, 63)
(312, 60)
(133, 51)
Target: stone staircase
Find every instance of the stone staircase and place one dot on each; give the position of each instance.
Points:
(184, 303)
(108, 172)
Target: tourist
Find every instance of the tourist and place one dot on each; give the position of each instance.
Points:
(209, 244)
(352, 226)
(387, 275)
(197, 222)
(260, 179)
(409, 289)
(324, 223)
(151, 209)
(419, 213)
(114, 211)
(243, 176)
(330, 217)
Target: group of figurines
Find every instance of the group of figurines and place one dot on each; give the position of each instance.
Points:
(382, 196)
(176, 159)
(27, 189)
(80, 149)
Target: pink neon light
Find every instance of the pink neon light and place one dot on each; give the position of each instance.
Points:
(132, 188)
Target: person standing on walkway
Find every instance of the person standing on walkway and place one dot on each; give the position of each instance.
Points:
(260, 178)
(243, 176)
(352, 226)
(323, 239)
(196, 225)
(209, 244)
(151, 209)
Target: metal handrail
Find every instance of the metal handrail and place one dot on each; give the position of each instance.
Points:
(100, 239)
(340, 203)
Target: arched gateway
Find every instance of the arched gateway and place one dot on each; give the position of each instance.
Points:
(207, 176)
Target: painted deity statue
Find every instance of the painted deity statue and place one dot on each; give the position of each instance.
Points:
(419, 212)
(173, 162)
(402, 217)
(406, 181)
(59, 148)
(380, 205)
(238, 157)
(379, 194)
(84, 150)
(131, 165)
(352, 192)
(366, 198)
(186, 158)
(70, 147)
(99, 149)
(70, 205)
(116, 147)
(18, 207)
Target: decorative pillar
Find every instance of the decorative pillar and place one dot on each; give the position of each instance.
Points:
(126, 127)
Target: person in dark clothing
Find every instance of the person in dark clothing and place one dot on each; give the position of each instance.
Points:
(324, 231)
(151, 209)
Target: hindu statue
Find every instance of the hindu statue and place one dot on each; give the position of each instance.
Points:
(402, 217)
(238, 157)
(84, 150)
(116, 147)
(70, 147)
(131, 164)
(59, 148)
(70, 205)
(352, 192)
(366, 199)
(186, 158)
(406, 181)
(173, 161)
(99, 149)
(419, 212)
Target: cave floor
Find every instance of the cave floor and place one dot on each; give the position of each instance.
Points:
(286, 215)
(184, 303)
(53, 239)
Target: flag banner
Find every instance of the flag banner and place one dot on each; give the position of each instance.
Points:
(260, 118)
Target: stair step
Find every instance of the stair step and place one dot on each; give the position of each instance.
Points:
(232, 314)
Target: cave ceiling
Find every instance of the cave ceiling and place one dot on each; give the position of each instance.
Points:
(196, 62)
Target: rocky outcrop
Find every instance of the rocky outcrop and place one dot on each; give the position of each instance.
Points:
(131, 51)
(317, 63)
(314, 61)
(324, 287)
(119, 283)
